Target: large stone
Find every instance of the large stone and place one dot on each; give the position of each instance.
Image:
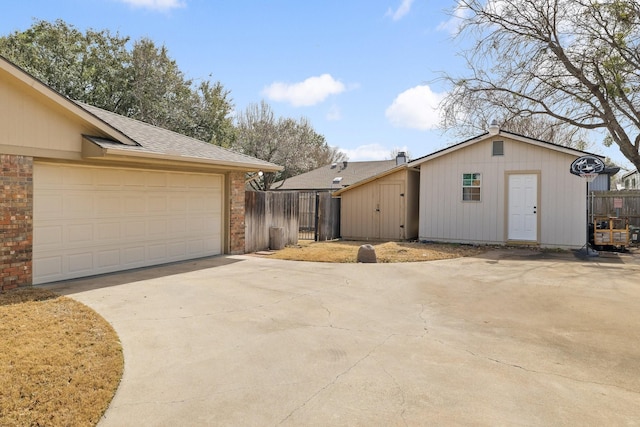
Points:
(367, 254)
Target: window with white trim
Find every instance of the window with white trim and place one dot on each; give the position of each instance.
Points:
(471, 183)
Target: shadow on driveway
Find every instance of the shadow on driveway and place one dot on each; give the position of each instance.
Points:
(72, 286)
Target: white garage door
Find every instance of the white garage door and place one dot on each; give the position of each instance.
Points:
(90, 220)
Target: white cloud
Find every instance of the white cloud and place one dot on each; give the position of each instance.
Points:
(367, 152)
(161, 5)
(334, 113)
(311, 91)
(453, 24)
(402, 10)
(415, 108)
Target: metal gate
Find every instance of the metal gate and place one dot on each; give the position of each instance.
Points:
(308, 205)
(319, 216)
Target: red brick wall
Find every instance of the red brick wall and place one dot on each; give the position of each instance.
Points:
(236, 214)
(16, 221)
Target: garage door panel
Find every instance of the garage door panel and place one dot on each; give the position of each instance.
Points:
(157, 252)
(177, 250)
(133, 256)
(91, 220)
(195, 224)
(176, 226)
(157, 227)
(131, 178)
(178, 181)
(134, 204)
(48, 267)
(80, 233)
(196, 246)
(108, 259)
(134, 230)
(209, 205)
(108, 232)
(108, 205)
(106, 179)
(210, 228)
(157, 204)
(53, 203)
(80, 262)
(156, 180)
(77, 206)
(196, 204)
(48, 236)
(177, 203)
(76, 177)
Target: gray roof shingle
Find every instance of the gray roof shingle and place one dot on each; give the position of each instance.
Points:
(322, 178)
(155, 140)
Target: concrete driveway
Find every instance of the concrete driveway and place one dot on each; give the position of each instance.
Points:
(509, 338)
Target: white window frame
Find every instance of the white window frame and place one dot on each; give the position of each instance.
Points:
(472, 181)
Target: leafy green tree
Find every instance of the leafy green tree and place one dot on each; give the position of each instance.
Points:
(214, 109)
(160, 94)
(573, 62)
(91, 67)
(138, 80)
(293, 144)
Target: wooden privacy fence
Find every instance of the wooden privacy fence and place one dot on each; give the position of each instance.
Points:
(264, 210)
(616, 203)
(327, 217)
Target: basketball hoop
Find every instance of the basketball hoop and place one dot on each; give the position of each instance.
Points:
(587, 167)
(589, 177)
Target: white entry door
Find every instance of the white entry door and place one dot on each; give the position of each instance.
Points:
(523, 207)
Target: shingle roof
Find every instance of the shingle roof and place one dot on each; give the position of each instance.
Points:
(322, 178)
(155, 140)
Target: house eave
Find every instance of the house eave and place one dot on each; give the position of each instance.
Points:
(92, 151)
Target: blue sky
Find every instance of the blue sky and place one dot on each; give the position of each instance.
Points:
(364, 72)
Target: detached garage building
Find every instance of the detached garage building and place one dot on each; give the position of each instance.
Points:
(86, 191)
(502, 188)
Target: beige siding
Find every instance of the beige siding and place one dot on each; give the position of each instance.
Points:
(445, 217)
(360, 218)
(31, 124)
(357, 214)
(412, 197)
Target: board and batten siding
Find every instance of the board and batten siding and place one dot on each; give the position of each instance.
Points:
(357, 213)
(561, 208)
(395, 195)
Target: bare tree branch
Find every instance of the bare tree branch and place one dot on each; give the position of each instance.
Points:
(575, 62)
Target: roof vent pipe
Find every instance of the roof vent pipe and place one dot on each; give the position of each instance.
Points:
(494, 128)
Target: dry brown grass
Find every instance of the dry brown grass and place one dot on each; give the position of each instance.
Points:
(345, 251)
(60, 362)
